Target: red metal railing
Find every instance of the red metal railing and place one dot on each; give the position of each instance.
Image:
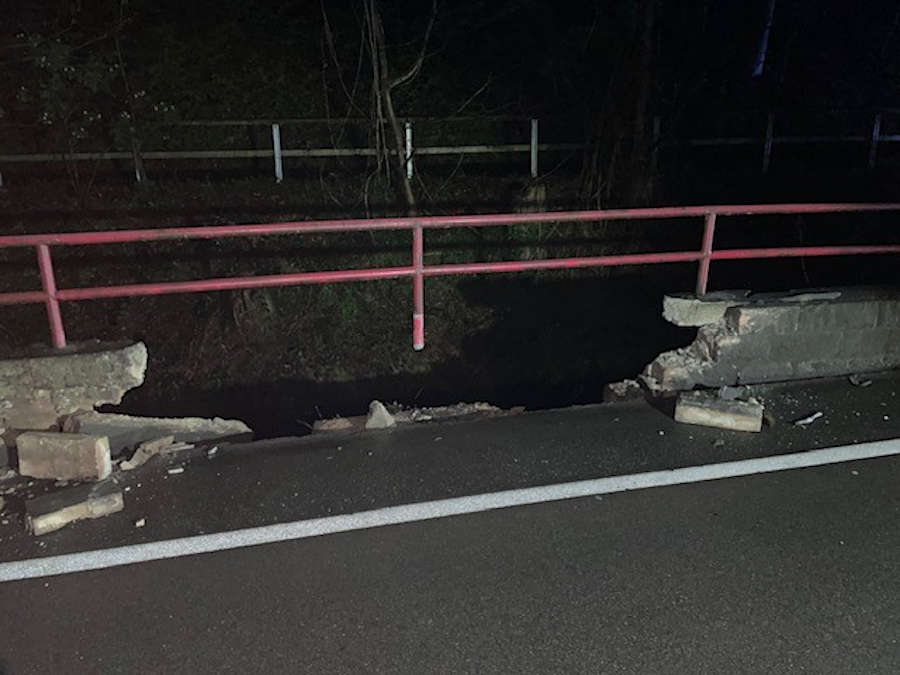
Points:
(51, 296)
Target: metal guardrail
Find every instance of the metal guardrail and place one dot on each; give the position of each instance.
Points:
(51, 296)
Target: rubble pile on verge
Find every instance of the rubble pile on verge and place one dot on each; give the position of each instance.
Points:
(384, 416)
(50, 432)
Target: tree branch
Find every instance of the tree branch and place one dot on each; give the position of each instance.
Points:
(417, 64)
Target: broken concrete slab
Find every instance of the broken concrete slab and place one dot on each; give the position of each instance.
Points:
(63, 456)
(58, 509)
(379, 417)
(692, 310)
(707, 409)
(771, 339)
(129, 431)
(35, 391)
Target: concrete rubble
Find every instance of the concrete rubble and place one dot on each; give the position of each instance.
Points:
(333, 424)
(690, 310)
(712, 410)
(145, 451)
(382, 416)
(49, 430)
(35, 392)
(56, 510)
(129, 431)
(379, 417)
(773, 338)
(63, 456)
(444, 412)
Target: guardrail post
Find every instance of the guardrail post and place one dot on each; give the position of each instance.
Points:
(709, 231)
(48, 282)
(534, 148)
(409, 149)
(276, 148)
(418, 260)
(767, 149)
(876, 134)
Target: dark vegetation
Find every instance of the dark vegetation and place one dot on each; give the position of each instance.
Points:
(118, 77)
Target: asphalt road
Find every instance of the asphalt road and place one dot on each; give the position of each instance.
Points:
(778, 573)
(318, 476)
(788, 572)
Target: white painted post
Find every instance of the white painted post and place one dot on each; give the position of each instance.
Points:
(409, 150)
(767, 149)
(876, 134)
(534, 148)
(276, 147)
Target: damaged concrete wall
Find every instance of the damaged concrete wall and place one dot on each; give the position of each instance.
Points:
(775, 338)
(35, 392)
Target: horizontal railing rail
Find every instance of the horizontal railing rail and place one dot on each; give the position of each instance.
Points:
(51, 296)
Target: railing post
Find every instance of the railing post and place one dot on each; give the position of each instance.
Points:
(709, 231)
(767, 149)
(418, 260)
(534, 148)
(48, 283)
(276, 148)
(876, 134)
(409, 149)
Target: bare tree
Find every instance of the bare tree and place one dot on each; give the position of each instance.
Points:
(384, 113)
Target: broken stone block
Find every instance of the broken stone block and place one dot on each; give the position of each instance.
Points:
(129, 431)
(147, 450)
(695, 407)
(58, 509)
(379, 417)
(35, 391)
(690, 310)
(63, 456)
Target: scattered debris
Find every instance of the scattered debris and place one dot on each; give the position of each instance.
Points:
(127, 432)
(212, 452)
(55, 510)
(165, 445)
(806, 421)
(63, 456)
(626, 390)
(707, 409)
(140, 522)
(859, 381)
(334, 424)
(173, 470)
(445, 412)
(379, 417)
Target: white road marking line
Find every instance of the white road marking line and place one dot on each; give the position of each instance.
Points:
(443, 508)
